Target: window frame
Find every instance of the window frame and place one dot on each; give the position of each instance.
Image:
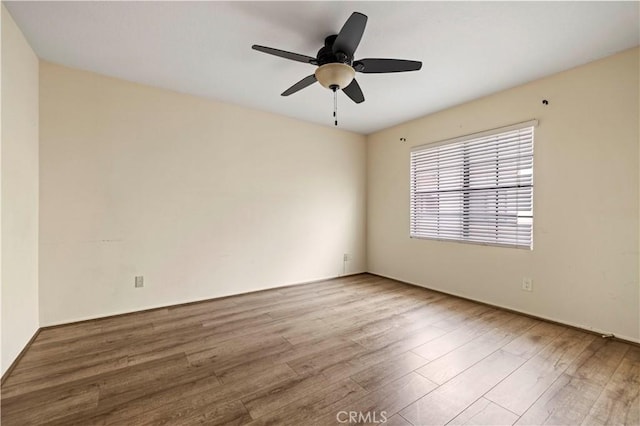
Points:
(465, 223)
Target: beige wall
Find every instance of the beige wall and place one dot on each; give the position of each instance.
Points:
(19, 200)
(585, 259)
(203, 199)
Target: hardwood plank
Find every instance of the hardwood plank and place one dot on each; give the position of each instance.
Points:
(204, 402)
(197, 406)
(281, 394)
(341, 323)
(64, 333)
(236, 351)
(397, 420)
(97, 344)
(311, 347)
(518, 392)
(534, 339)
(151, 407)
(319, 361)
(354, 364)
(382, 403)
(461, 335)
(111, 388)
(388, 370)
(132, 382)
(310, 408)
(464, 313)
(203, 412)
(26, 381)
(485, 412)
(598, 361)
(397, 333)
(619, 403)
(448, 366)
(569, 399)
(42, 407)
(447, 401)
(404, 324)
(90, 340)
(251, 359)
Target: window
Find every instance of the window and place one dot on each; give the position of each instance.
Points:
(476, 188)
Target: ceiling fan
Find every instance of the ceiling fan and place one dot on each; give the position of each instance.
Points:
(335, 61)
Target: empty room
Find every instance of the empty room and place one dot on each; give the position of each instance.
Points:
(320, 213)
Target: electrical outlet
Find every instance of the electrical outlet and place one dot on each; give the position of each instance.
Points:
(527, 284)
(139, 281)
(346, 257)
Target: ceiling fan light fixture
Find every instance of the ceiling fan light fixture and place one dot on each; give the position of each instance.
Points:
(335, 74)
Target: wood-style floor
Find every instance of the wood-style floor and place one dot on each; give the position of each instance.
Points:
(303, 355)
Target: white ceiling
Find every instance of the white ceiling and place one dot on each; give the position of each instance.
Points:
(468, 49)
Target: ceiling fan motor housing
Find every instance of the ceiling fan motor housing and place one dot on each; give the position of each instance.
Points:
(326, 55)
(334, 68)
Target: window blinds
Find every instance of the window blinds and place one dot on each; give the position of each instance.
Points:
(477, 189)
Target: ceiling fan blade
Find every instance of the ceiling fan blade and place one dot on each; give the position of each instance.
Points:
(284, 54)
(350, 35)
(307, 81)
(354, 92)
(386, 65)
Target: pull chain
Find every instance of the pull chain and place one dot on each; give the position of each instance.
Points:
(335, 104)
